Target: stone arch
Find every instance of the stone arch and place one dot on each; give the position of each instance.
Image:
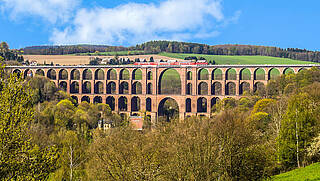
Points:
(169, 82)
(217, 74)
(188, 105)
(123, 104)
(149, 88)
(74, 87)
(214, 101)
(111, 102)
(203, 74)
(216, 88)
(87, 74)
(111, 88)
(203, 88)
(52, 74)
(98, 88)
(137, 74)
(189, 89)
(259, 74)
(202, 105)
(124, 88)
(63, 85)
(99, 74)
(148, 104)
(168, 108)
(27, 73)
(112, 74)
(75, 98)
(231, 88)
(17, 71)
(273, 73)
(301, 69)
(259, 87)
(244, 87)
(189, 75)
(245, 74)
(86, 87)
(149, 76)
(231, 74)
(85, 99)
(135, 104)
(40, 72)
(75, 74)
(288, 71)
(63, 74)
(137, 88)
(97, 100)
(124, 74)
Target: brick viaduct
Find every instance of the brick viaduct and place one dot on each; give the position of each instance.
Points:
(127, 93)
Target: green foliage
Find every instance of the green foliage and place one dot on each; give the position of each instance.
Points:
(298, 128)
(20, 159)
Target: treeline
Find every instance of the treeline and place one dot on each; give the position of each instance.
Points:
(182, 47)
(9, 55)
(70, 49)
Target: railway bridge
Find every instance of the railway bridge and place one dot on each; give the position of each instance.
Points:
(131, 89)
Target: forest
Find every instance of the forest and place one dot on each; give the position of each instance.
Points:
(46, 135)
(155, 47)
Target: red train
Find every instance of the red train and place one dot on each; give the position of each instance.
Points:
(171, 63)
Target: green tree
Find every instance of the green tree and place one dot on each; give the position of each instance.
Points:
(20, 159)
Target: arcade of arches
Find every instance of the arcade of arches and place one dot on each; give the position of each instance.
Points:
(132, 90)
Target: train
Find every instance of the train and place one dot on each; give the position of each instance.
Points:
(172, 63)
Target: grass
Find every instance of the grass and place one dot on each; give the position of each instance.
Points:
(242, 60)
(119, 53)
(311, 172)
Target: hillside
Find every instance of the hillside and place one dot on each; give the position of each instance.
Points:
(232, 60)
(311, 172)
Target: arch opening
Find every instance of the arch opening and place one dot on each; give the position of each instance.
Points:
(112, 74)
(148, 104)
(202, 105)
(216, 88)
(168, 109)
(111, 102)
(123, 103)
(99, 74)
(63, 74)
(150, 76)
(137, 74)
(217, 74)
(245, 74)
(28, 73)
(136, 88)
(149, 88)
(189, 75)
(74, 88)
(273, 74)
(40, 72)
(203, 88)
(111, 88)
(244, 87)
(170, 82)
(231, 74)
(87, 74)
(124, 88)
(124, 74)
(203, 74)
(52, 74)
(86, 87)
(75, 74)
(288, 71)
(63, 86)
(98, 88)
(135, 104)
(231, 88)
(85, 99)
(188, 105)
(189, 89)
(97, 100)
(259, 74)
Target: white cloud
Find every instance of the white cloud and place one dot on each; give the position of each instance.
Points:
(51, 10)
(133, 23)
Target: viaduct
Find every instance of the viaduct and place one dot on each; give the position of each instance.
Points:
(131, 89)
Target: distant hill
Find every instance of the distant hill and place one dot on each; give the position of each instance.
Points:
(156, 47)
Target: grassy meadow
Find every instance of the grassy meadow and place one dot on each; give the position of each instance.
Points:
(311, 172)
(241, 60)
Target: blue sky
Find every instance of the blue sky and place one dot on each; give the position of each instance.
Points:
(282, 23)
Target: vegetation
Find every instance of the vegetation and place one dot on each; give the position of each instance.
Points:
(310, 172)
(234, 60)
(118, 53)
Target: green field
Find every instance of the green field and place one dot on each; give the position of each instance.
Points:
(311, 172)
(119, 53)
(242, 60)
